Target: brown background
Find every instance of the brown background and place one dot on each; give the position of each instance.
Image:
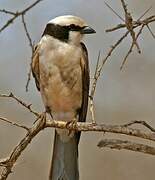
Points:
(120, 97)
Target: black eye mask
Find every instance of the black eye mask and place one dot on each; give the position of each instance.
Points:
(57, 31)
(61, 32)
(74, 27)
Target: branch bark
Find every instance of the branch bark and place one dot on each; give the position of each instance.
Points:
(128, 145)
(9, 162)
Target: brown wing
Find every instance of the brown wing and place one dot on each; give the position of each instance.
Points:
(85, 84)
(35, 67)
(85, 87)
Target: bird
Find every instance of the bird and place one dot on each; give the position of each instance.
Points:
(61, 71)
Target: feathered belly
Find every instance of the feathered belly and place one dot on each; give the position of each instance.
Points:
(61, 88)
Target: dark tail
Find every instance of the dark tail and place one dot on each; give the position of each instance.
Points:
(65, 159)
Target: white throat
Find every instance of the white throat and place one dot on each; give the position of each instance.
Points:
(75, 37)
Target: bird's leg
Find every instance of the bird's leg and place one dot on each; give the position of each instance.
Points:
(48, 110)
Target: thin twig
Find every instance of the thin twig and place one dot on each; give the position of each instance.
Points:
(21, 146)
(144, 123)
(104, 60)
(129, 25)
(7, 12)
(29, 76)
(128, 145)
(27, 106)
(150, 31)
(92, 109)
(144, 13)
(136, 24)
(114, 11)
(11, 20)
(131, 47)
(17, 14)
(32, 51)
(27, 33)
(14, 124)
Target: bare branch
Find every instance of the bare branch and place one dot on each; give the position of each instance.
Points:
(104, 60)
(140, 122)
(11, 20)
(27, 106)
(32, 50)
(27, 33)
(135, 24)
(124, 6)
(16, 152)
(14, 124)
(150, 31)
(114, 11)
(118, 129)
(144, 13)
(4, 162)
(131, 47)
(42, 123)
(16, 14)
(7, 12)
(128, 145)
(129, 25)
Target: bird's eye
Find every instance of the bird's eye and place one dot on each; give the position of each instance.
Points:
(73, 27)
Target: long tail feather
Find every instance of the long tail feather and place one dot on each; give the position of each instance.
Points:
(65, 159)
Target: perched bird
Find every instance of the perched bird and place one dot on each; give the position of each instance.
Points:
(61, 71)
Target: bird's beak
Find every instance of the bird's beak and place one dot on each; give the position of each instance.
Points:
(87, 30)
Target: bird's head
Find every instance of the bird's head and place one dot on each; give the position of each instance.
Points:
(68, 29)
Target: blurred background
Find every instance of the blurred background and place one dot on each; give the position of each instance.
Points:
(121, 96)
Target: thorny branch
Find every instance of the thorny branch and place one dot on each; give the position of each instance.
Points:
(16, 14)
(131, 47)
(13, 123)
(11, 20)
(41, 122)
(130, 25)
(9, 162)
(27, 106)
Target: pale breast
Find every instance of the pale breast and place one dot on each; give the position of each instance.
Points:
(60, 75)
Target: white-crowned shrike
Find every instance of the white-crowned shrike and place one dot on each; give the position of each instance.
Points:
(61, 71)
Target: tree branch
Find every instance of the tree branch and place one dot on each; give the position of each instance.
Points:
(41, 122)
(117, 129)
(9, 162)
(16, 152)
(16, 14)
(13, 123)
(27, 106)
(11, 20)
(128, 145)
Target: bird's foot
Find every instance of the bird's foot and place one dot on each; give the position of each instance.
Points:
(48, 110)
(72, 124)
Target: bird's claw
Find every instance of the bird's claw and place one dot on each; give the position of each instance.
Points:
(72, 124)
